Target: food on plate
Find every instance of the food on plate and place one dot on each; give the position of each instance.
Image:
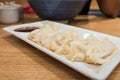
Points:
(101, 50)
(43, 35)
(26, 29)
(74, 47)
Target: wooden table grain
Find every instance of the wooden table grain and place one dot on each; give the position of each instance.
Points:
(20, 61)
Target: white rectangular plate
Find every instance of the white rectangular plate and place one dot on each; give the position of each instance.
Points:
(100, 72)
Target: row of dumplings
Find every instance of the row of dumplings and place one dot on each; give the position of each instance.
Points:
(70, 44)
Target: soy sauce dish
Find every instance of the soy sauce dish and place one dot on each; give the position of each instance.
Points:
(26, 29)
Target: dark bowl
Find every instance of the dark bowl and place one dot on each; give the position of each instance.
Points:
(57, 9)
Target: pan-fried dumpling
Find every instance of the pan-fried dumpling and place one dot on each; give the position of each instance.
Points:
(65, 39)
(51, 42)
(32, 34)
(40, 35)
(78, 50)
(101, 50)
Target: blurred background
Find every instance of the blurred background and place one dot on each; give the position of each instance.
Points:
(23, 2)
(94, 9)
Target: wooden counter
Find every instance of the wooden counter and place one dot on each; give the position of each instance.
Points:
(20, 61)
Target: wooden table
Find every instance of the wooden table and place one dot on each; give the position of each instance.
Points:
(20, 61)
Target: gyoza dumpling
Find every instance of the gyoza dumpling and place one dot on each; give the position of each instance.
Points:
(64, 39)
(40, 35)
(101, 50)
(78, 50)
(51, 42)
(32, 34)
(45, 31)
